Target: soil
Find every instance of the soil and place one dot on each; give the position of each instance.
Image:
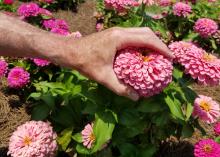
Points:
(13, 110)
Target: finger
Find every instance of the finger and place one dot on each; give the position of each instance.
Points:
(111, 81)
(147, 39)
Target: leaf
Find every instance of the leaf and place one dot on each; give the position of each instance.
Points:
(79, 76)
(177, 73)
(76, 89)
(49, 100)
(129, 117)
(40, 112)
(77, 137)
(217, 139)
(35, 95)
(149, 151)
(65, 138)
(189, 110)
(187, 131)
(127, 150)
(174, 108)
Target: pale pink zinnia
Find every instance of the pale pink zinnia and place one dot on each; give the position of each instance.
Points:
(76, 34)
(206, 109)
(217, 129)
(205, 27)
(3, 68)
(41, 62)
(18, 77)
(148, 74)
(207, 148)
(88, 136)
(33, 139)
(28, 9)
(121, 5)
(197, 62)
(181, 9)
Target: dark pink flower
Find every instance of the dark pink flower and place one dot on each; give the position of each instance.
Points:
(9, 2)
(3, 68)
(207, 148)
(40, 62)
(217, 129)
(28, 9)
(56, 23)
(181, 9)
(148, 74)
(121, 5)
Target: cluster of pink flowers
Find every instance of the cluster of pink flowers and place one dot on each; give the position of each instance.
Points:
(88, 136)
(181, 9)
(147, 2)
(217, 129)
(121, 5)
(33, 139)
(18, 77)
(199, 64)
(206, 109)
(205, 27)
(28, 9)
(165, 3)
(148, 74)
(40, 62)
(207, 148)
(3, 68)
(8, 2)
(58, 26)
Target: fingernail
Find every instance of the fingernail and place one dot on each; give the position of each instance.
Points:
(134, 95)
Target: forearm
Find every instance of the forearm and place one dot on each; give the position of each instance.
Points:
(18, 38)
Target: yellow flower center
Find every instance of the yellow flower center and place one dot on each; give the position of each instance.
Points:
(27, 141)
(207, 148)
(92, 137)
(205, 106)
(147, 59)
(208, 57)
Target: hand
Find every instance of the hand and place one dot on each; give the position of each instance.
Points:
(94, 55)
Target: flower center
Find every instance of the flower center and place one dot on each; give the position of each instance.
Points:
(92, 137)
(205, 106)
(207, 148)
(27, 141)
(208, 57)
(147, 59)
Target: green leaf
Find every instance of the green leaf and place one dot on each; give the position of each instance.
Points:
(149, 151)
(175, 108)
(77, 137)
(217, 139)
(189, 110)
(65, 138)
(128, 150)
(187, 131)
(35, 95)
(49, 100)
(76, 89)
(177, 73)
(129, 117)
(40, 112)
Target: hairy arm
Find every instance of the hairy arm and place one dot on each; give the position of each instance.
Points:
(92, 55)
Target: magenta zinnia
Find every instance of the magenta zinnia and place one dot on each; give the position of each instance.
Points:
(121, 5)
(33, 139)
(217, 129)
(206, 109)
(148, 74)
(165, 3)
(207, 148)
(40, 62)
(88, 136)
(3, 67)
(205, 27)
(28, 9)
(181, 9)
(199, 64)
(18, 77)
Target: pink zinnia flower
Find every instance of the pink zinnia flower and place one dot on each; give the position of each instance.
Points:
(33, 139)
(41, 62)
(217, 129)
(88, 136)
(205, 27)
(18, 77)
(147, 2)
(181, 9)
(207, 148)
(200, 65)
(147, 74)
(165, 3)
(9, 2)
(56, 24)
(28, 9)
(99, 27)
(206, 109)
(3, 68)
(121, 5)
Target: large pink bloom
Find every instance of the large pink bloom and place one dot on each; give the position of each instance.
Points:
(9, 2)
(18, 77)
(207, 148)
(3, 67)
(205, 27)
(206, 109)
(217, 129)
(56, 24)
(147, 74)
(200, 65)
(28, 9)
(181, 9)
(121, 5)
(88, 136)
(33, 139)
